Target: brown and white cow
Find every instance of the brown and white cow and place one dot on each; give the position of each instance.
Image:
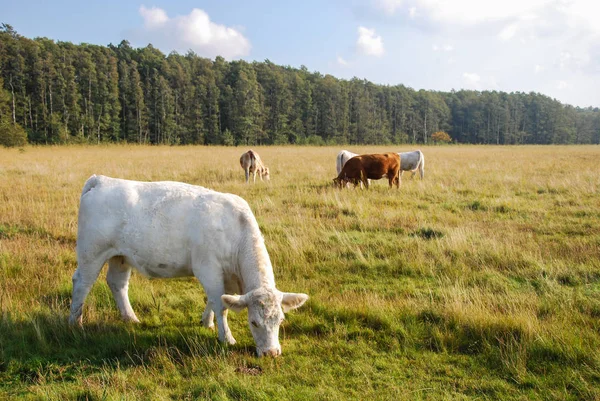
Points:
(371, 166)
(252, 163)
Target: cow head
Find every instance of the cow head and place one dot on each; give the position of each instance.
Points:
(265, 314)
(341, 182)
(265, 174)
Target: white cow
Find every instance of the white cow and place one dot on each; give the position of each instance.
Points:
(342, 158)
(172, 229)
(412, 161)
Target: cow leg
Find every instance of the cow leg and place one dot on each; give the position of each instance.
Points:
(117, 279)
(214, 299)
(254, 176)
(363, 178)
(208, 317)
(216, 305)
(84, 277)
(223, 326)
(210, 276)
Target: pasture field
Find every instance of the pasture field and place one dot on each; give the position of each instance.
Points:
(480, 282)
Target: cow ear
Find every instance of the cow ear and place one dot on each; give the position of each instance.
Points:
(236, 303)
(291, 301)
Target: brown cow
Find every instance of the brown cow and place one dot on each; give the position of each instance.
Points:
(252, 163)
(360, 168)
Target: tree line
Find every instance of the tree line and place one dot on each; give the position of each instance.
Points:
(58, 92)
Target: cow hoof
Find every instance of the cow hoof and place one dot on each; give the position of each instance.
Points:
(208, 324)
(131, 319)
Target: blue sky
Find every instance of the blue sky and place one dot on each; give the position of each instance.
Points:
(547, 46)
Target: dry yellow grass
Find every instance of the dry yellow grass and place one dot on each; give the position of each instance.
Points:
(481, 281)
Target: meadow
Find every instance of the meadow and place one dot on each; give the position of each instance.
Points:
(480, 282)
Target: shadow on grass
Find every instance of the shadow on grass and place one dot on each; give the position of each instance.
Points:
(358, 325)
(46, 339)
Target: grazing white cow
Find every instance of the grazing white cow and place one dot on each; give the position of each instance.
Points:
(252, 163)
(412, 161)
(342, 158)
(171, 229)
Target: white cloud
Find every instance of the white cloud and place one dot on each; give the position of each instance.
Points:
(341, 61)
(547, 46)
(194, 31)
(153, 17)
(581, 13)
(574, 14)
(474, 81)
(568, 61)
(389, 6)
(508, 32)
(443, 48)
(474, 11)
(564, 60)
(369, 43)
(471, 80)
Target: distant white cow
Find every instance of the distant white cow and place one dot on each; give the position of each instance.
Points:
(342, 158)
(170, 229)
(412, 161)
(252, 163)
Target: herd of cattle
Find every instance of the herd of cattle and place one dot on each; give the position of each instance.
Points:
(171, 229)
(353, 168)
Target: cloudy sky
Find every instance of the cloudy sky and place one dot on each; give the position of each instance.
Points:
(547, 46)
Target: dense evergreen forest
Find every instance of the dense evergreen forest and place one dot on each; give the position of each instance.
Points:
(59, 92)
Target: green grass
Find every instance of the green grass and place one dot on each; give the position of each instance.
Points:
(480, 282)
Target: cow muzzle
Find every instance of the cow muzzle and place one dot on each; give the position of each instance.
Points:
(273, 352)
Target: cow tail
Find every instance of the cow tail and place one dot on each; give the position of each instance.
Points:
(338, 163)
(421, 164)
